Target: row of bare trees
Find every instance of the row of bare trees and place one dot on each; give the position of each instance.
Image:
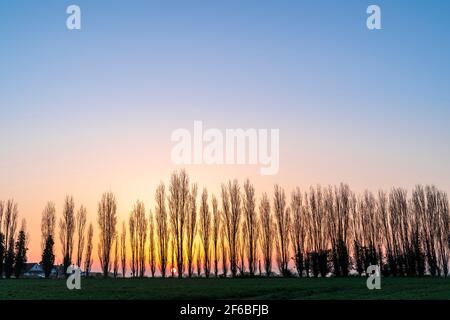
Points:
(318, 232)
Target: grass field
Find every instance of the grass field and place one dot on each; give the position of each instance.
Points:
(256, 288)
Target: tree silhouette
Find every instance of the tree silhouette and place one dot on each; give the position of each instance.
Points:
(205, 232)
(20, 258)
(162, 228)
(107, 220)
(267, 233)
(282, 220)
(88, 258)
(251, 225)
(231, 211)
(215, 234)
(10, 224)
(178, 209)
(9, 260)
(80, 229)
(123, 249)
(138, 237)
(116, 257)
(152, 245)
(191, 228)
(323, 231)
(298, 230)
(66, 231)
(48, 258)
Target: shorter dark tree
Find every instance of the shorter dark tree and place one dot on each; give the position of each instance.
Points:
(21, 253)
(9, 261)
(48, 258)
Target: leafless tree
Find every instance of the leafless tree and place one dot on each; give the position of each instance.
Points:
(107, 221)
(152, 245)
(88, 258)
(357, 234)
(116, 257)
(80, 227)
(173, 257)
(251, 225)
(138, 238)
(123, 249)
(298, 230)
(191, 226)
(199, 258)
(241, 248)
(48, 221)
(162, 229)
(231, 210)
(216, 234)
(67, 230)
(338, 205)
(431, 212)
(134, 245)
(178, 208)
(386, 230)
(282, 220)
(317, 229)
(142, 236)
(10, 223)
(443, 231)
(205, 232)
(267, 233)
(223, 237)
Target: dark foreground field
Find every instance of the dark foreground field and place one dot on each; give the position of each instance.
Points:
(274, 288)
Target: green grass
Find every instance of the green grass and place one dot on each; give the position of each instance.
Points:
(255, 288)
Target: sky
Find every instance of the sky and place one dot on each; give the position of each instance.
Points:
(92, 110)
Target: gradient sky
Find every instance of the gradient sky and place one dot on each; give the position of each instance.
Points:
(84, 112)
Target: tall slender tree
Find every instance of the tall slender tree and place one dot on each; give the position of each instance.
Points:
(107, 221)
(223, 242)
(231, 211)
(267, 233)
(81, 228)
(138, 238)
(152, 245)
(48, 221)
(191, 229)
(66, 231)
(251, 229)
(123, 249)
(205, 232)
(298, 230)
(282, 219)
(178, 208)
(216, 234)
(89, 247)
(10, 225)
(116, 257)
(162, 228)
